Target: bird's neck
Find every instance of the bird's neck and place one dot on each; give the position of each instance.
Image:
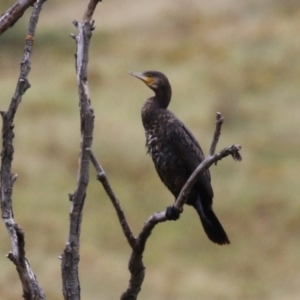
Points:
(162, 97)
(154, 107)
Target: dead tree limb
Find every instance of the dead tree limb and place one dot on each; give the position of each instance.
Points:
(136, 265)
(88, 15)
(13, 14)
(217, 133)
(31, 288)
(138, 244)
(70, 257)
(101, 176)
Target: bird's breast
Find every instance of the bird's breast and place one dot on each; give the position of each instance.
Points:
(152, 142)
(168, 164)
(160, 150)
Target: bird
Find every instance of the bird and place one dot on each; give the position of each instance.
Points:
(176, 154)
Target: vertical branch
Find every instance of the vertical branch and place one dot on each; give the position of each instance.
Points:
(70, 257)
(217, 133)
(31, 288)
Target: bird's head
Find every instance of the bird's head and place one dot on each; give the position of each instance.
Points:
(153, 79)
(159, 83)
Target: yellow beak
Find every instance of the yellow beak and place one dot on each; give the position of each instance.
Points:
(146, 79)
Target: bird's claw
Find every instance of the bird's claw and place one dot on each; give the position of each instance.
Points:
(172, 213)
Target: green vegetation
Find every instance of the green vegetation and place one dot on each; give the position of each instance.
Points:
(239, 58)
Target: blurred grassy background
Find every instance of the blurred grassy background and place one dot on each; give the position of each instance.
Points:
(237, 57)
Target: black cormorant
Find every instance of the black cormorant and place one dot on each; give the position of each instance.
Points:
(176, 153)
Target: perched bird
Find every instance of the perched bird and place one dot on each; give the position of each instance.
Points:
(176, 153)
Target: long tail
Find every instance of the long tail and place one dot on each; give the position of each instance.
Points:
(210, 223)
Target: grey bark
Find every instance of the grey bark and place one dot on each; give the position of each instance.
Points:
(71, 255)
(30, 285)
(13, 14)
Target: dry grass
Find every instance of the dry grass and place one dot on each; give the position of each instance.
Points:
(240, 58)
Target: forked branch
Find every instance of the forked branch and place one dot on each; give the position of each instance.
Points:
(136, 265)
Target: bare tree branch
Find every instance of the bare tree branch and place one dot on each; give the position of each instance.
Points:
(90, 10)
(217, 133)
(13, 14)
(31, 288)
(70, 257)
(208, 161)
(136, 265)
(101, 176)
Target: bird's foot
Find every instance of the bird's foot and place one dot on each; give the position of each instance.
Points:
(172, 213)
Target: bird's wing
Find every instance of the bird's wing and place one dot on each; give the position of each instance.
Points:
(189, 150)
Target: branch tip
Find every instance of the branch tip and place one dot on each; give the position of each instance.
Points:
(219, 118)
(235, 153)
(217, 133)
(11, 256)
(14, 178)
(93, 27)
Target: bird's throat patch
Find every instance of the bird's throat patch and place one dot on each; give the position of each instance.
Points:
(148, 80)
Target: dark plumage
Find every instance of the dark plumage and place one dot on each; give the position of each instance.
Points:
(176, 153)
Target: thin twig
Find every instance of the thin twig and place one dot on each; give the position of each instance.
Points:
(101, 176)
(70, 257)
(13, 14)
(31, 288)
(217, 133)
